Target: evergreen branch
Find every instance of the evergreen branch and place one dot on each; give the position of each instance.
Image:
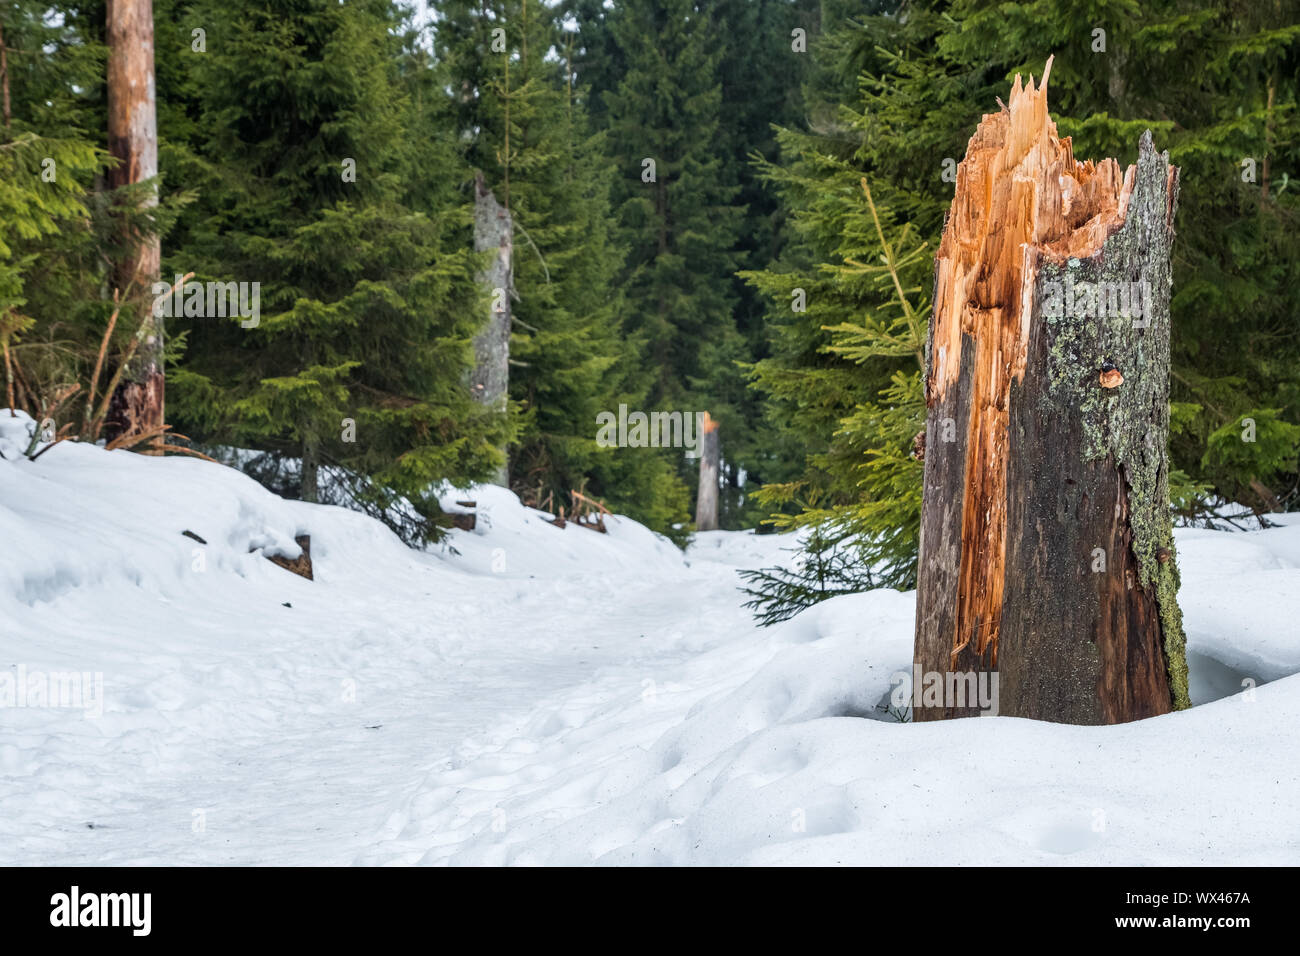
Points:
(541, 258)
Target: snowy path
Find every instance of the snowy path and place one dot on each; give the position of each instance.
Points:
(237, 730)
(283, 768)
(316, 787)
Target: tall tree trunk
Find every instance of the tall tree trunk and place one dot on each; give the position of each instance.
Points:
(1047, 554)
(137, 403)
(494, 232)
(706, 499)
(309, 479)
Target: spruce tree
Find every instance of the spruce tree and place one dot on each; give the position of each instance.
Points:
(368, 302)
(677, 209)
(56, 232)
(523, 122)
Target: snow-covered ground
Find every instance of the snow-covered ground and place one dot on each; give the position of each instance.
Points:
(546, 695)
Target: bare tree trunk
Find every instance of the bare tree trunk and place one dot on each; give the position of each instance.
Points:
(309, 484)
(494, 231)
(137, 403)
(706, 499)
(1047, 569)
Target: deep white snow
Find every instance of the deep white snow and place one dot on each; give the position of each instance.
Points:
(547, 695)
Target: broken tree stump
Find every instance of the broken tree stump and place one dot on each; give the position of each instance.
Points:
(706, 498)
(1047, 558)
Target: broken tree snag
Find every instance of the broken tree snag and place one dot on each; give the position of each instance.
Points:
(137, 402)
(1046, 539)
(493, 232)
(706, 499)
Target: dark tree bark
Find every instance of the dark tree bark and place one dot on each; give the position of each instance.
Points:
(137, 402)
(309, 479)
(1047, 555)
(494, 232)
(706, 499)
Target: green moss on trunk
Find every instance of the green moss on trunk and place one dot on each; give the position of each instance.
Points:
(1128, 425)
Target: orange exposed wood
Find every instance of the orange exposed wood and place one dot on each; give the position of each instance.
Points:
(132, 122)
(137, 401)
(1021, 195)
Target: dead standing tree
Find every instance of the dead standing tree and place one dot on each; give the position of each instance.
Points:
(1047, 552)
(137, 402)
(706, 500)
(493, 232)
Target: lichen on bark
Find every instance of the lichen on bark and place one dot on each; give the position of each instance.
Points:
(1128, 424)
